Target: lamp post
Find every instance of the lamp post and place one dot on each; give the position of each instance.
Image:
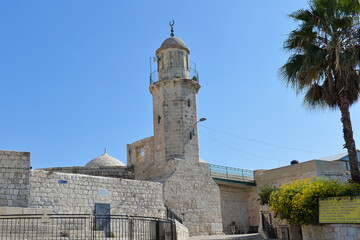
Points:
(193, 129)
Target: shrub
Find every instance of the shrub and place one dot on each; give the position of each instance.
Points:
(298, 202)
(265, 193)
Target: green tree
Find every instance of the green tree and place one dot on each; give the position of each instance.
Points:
(324, 61)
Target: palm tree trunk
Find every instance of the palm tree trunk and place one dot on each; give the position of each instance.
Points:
(348, 136)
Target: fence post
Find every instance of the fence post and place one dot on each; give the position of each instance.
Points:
(157, 230)
(131, 228)
(173, 229)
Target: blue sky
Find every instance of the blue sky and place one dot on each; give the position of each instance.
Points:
(75, 75)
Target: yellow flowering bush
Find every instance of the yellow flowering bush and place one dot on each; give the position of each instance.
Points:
(298, 202)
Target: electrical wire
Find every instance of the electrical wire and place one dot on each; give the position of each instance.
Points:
(239, 150)
(266, 143)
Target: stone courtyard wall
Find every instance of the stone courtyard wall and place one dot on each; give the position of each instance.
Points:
(14, 178)
(182, 233)
(234, 208)
(331, 232)
(190, 192)
(253, 202)
(310, 169)
(75, 193)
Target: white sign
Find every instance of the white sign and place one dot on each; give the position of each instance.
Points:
(102, 192)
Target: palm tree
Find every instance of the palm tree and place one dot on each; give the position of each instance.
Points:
(324, 61)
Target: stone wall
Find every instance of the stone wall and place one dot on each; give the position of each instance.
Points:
(234, 208)
(331, 232)
(253, 202)
(75, 193)
(182, 233)
(114, 171)
(23, 211)
(14, 178)
(310, 169)
(191, 192)
(140, 155)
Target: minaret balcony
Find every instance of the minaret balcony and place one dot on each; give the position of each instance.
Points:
(193, 75)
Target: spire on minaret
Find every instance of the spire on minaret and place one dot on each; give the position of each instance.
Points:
(172, 22)
(105, 151)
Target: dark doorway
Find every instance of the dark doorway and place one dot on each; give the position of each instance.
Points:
(102, 218)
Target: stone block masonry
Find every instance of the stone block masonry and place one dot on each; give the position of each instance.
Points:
(234, 208)
(331, 232)
(191, 193)
(14, 178)
(75, 193)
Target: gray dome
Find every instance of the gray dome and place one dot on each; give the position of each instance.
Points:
(173, 42)
(104, 160)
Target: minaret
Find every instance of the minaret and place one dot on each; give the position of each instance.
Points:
(171, 156)
(174, 104)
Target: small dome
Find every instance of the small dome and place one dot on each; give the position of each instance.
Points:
(104, 160)
(173, 42)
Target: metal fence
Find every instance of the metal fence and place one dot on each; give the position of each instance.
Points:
(170, 214)
(230, 173)
(267, 226)
(85, 227)
(193, 75)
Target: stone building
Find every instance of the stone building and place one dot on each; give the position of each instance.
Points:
(163, 170)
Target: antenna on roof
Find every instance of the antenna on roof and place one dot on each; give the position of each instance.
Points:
(172, 22)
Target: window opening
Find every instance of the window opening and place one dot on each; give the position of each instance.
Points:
(188, 102)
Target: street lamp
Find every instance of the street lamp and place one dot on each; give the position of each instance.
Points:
(193, 129)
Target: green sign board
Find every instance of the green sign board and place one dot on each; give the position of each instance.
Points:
(339, 210)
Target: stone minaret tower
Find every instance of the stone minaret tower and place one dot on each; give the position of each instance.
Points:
(174, 105)
(188, 187)
(171, 156)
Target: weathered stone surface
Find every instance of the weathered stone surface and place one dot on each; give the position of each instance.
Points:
(191, 193)
(14, 178)
(75, 193)
(331, 232)
(234, 207)
(182, 233)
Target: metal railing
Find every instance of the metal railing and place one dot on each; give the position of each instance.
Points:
(85, 227)
(170, 214)
(193, 75)
(268, 228)
(230, 173)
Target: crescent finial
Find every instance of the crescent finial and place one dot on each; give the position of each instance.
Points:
(172, 22)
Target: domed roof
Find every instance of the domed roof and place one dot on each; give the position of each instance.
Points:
(104, 160)
(173, 42)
